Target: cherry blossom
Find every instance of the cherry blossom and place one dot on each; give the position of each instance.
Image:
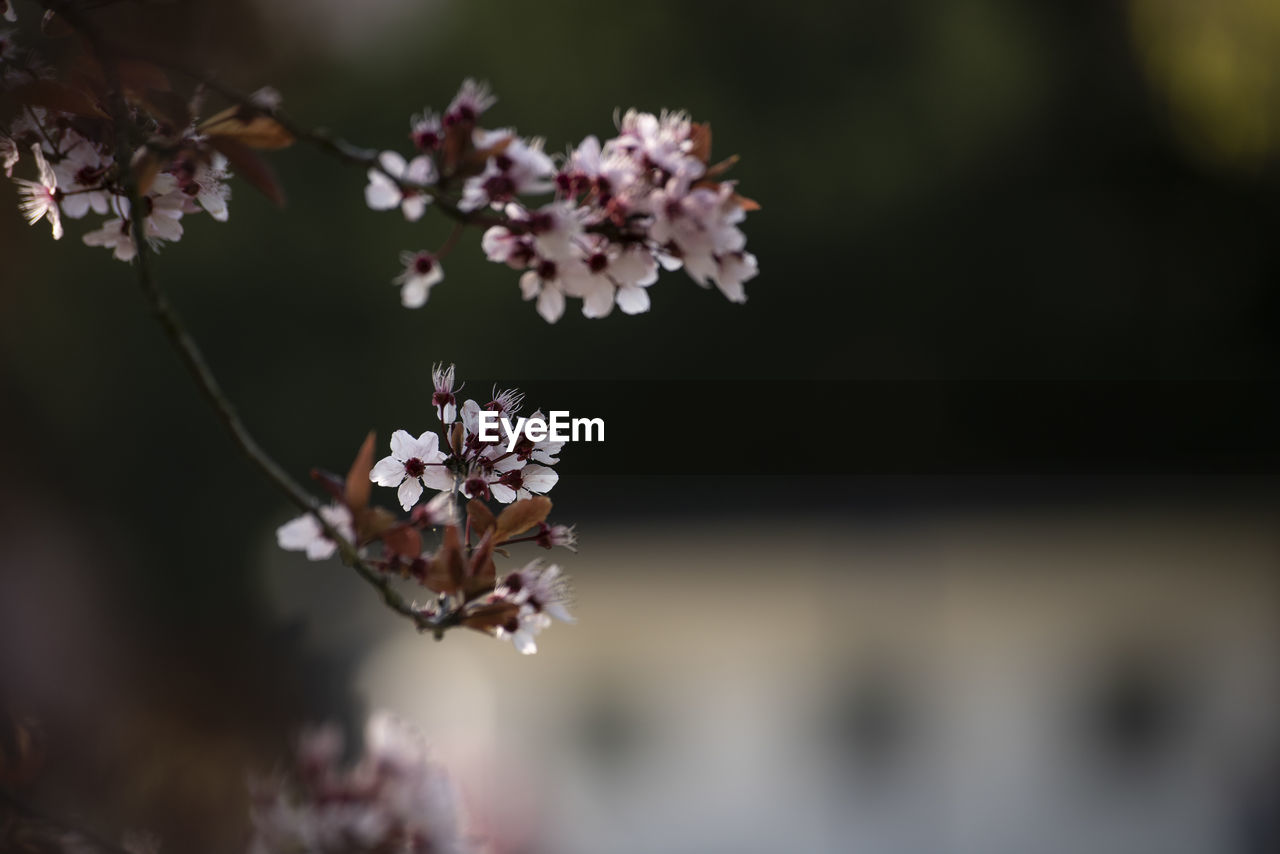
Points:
(305, 534)
(442, 396)
(421, 272)
(413, 464)
(39, 199)
(383, 193)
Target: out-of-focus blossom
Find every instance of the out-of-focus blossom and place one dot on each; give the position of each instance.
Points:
(394, 800)
(305, 534)
(39, 199)
(384, 192)
(421, 271)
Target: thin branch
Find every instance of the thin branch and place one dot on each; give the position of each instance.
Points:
(189, 352)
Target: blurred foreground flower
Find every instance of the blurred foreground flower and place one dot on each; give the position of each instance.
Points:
(394, 800)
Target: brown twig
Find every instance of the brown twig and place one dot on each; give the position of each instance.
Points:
(185, 345)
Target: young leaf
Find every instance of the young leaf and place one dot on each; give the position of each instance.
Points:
(358, 486)
(521, 516)
(255, 131)
(250, 166)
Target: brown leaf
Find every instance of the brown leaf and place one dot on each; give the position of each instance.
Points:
(745, 203)
(250, 166)
(253, 130)
(448, 565)
(700, 136)
(403, 541)
(55, 96)
(373, 522)
(168, 106)
(521, 516)
(482, 573)
(722, 167)
(479, 517)
(358, 486)
(490, 615)
(145, 166)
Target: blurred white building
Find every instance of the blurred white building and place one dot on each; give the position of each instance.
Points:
(1014, 684)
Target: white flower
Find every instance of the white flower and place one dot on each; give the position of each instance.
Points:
(384, 193)
(426, 131)
(518, 480)
(305, 534)
(442, 396)
(205, 185)
(518, 168)
(78, 173)
(543, 451)
(472, 99)
(421, 271)
(502, 246)
(39, 199)
(412, 464)
(617, 274)
(732, 270)
(10, 14)
(607, 171)
(556, 228)
(550, 281)
(550, 536)
(542, 595)
(664, 142)
(113, 235)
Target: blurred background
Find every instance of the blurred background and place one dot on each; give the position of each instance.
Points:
(981, 555)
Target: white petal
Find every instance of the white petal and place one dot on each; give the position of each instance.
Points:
(409, 492)
(381, 193)
(297, 534)
(633, 300)
(536, 478)
(388, 471)
(427, 448)
(414, 207)
(530, 285)
(598, 301)
(438, 477)
(414, 293)
(551, 304)
(402, 445)
(502, 493)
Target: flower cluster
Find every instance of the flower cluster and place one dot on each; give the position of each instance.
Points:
(618, 211)
(460, 572)
(67, 138)
(394, 800)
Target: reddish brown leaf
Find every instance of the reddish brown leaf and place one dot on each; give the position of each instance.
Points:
(250, 167)
(745, 203)
(358, 487)
(481, 574)
(722, 167)
(479, 517)
(255, 131)
(449, 564)
(55, 96)
(491, 615)
(700, 136)
(403, 541)
(373, 522)
(145, 166)
(521, 516)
